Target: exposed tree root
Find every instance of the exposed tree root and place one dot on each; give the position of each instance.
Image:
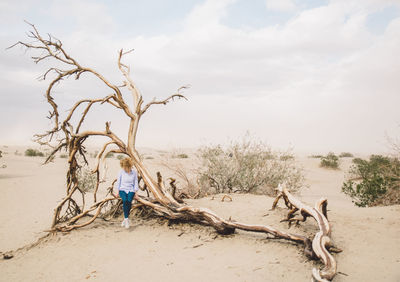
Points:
(322, 241)
(226, 197)
(174, 188)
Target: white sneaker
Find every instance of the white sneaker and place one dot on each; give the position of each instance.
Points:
(127, 225)
(123, 223)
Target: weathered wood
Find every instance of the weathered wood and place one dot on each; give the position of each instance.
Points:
(174, 188)
(321, 241)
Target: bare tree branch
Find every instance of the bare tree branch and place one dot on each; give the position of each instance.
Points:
(162, 102)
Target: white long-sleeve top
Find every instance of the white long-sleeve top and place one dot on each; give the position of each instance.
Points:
(127, 182)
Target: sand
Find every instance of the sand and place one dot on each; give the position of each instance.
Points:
(153, 251)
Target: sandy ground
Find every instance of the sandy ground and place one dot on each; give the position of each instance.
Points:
(153, 251)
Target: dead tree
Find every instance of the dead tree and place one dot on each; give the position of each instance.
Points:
(67, 133)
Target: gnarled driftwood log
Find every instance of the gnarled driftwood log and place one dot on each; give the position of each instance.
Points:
(321, 241)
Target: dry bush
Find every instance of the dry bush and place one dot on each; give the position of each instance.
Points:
(94, 154)
(394, 145)
(87, 180)
(330, 161)
(374, 182)
(110, 155)
(3, 166)
(33, 153)
(316, 156)
(181, 156)
(346, 155)
(185, 173)
(248, 167)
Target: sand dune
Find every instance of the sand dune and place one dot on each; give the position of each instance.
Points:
(153, 251)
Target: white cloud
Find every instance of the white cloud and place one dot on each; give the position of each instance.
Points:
(207, 14)
(311, 82)
(87, 16)
(281, 5)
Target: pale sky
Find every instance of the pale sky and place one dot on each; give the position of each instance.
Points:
(315, 75)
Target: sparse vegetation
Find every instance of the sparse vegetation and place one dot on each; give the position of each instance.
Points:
(3, 166)
(346, 155)
(186, 177)
(181, 156)
(94, 154)
(330, 161)
(63, 156)
(374, 182)
(33, 153)
(287, 157)
(109, 155)
(120, 157)
(247, 166)
(87, 180)
(316, 156)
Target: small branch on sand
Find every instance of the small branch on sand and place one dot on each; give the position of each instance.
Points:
(226, 197)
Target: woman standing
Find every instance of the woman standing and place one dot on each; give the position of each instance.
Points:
(127, 185)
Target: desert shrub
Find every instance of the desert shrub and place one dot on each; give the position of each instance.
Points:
(247, 166)
(87, 180)
(316, 156)
(33, 153)
(286, 157)
(346, 155)
(63, 156)
(181, 156)
(109, 155)
(94, 154)
(330, 161)
(149, 158)
(374, 182)
(0, 154)
(185, 176)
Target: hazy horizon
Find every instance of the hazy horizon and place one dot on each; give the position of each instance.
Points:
(316, 76)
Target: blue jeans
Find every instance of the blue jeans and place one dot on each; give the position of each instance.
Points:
(126, 202)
